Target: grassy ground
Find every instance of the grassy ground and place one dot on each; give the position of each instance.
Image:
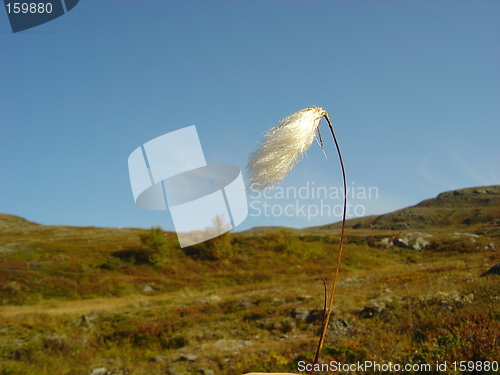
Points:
(77, 300)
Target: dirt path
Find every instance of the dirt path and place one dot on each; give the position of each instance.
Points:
(80, 307)
(179, 297)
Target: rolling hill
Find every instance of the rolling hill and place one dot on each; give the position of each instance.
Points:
(87, 300)
(457, 208)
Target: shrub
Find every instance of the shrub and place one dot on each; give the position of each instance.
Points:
(216, 248)
(154, 240)
(279, 241)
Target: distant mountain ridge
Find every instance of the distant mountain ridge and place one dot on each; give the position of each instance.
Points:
(462, 207)
(457, 207)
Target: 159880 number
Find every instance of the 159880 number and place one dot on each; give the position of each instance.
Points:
(475, 366)
(29, 8)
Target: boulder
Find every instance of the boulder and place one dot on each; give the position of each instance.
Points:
(300, 314)
(370, 311)
(99, 371)
(495, 270)
(148, 289)
(315, 316)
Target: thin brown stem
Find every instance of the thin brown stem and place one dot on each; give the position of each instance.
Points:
(328, 311)
(325, 291)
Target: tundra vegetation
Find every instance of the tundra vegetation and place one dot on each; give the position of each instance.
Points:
(86, 300)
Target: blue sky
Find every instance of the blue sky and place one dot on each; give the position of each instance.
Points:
(412, 88)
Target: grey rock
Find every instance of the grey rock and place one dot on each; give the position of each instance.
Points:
(339, 327)
(247, 304)
(300, 314)
(36, 264)
(158, 358)
(148, 289)
(189, 357)
(172, 370)
(386, 242)
(55, 342)
(420, 243)
(370, 311)
(490, 246)
(403, 242)
(225, 344)
(99, 371)
(315, 316)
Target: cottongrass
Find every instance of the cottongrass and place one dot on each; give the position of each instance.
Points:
(282, 148)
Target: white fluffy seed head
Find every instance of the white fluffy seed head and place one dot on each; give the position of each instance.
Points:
(283, 147)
